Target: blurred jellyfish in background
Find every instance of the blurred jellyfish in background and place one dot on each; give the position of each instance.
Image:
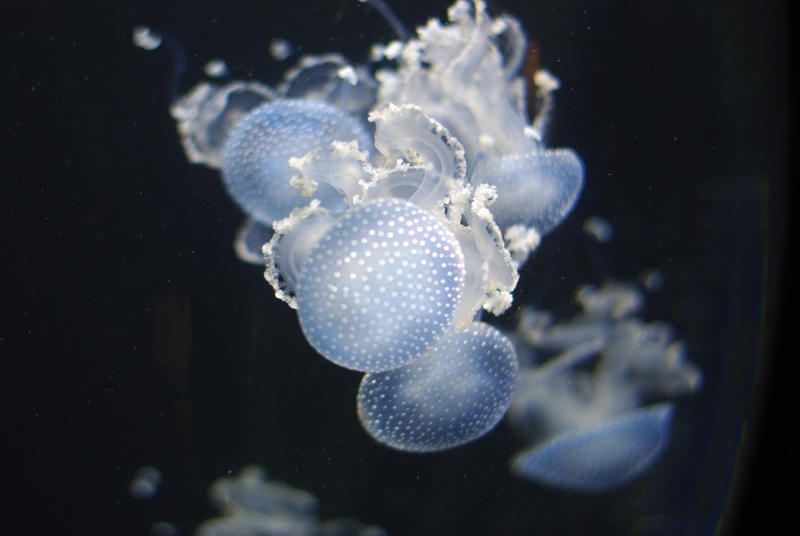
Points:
(280, 49)
(393, 204)
(145, 483)
(252, 504)
(585, 387)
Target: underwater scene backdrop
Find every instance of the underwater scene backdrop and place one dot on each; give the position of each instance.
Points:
(528, 286)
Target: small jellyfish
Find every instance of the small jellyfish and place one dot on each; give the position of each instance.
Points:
(251, 492)
(280, 49)
(145, 38)
(599, 229)
(380, 286)
(600, 457)
(145, 483)
(453, 394)
(216, 68)
(652, 280)
(253, 505)
(255, 165)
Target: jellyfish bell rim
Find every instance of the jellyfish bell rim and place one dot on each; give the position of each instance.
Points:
(656, 421)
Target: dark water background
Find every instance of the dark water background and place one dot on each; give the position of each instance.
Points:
(134, 336)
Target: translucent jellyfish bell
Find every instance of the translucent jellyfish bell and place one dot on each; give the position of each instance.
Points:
(332, 79)
(251, 492)
(453, 394)
(207, 114)
(600, 457)
(380, 286)
(255, 165)
(538, 188)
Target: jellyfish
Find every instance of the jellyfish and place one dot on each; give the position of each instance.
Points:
(583, 407)
(599, 457)
(251, 492)
(380, 287)
(392, 204)
(453, 394)
(145, 483)
(255, 163)
(251, 503)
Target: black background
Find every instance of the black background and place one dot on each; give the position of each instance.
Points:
(134, 336)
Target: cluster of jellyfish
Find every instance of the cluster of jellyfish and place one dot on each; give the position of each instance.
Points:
(393, 204)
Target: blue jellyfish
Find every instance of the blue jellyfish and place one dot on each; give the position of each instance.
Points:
(600, 457)
(453, 394)
(380, 286)
(253, 504)
(255, 165)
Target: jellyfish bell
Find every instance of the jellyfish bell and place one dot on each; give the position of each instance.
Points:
(601, 457)
(536, 189)
(255, 165)
(332, 79)
(453, 394)
(380, 286)
(582, 406)
(207, 114)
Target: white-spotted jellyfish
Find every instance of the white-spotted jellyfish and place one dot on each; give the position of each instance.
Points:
(393, 203)
(599, 457)
(453, 394)
(255, 165)
(380, 287)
